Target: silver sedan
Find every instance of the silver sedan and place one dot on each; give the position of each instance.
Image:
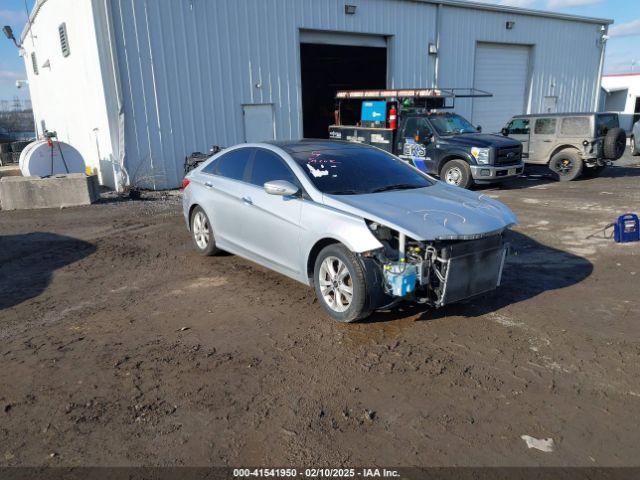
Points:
(361, 226)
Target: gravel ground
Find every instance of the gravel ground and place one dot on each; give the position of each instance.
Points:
(121, 346)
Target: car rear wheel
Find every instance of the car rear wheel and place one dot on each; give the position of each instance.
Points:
(458, 173)
(202, 233)
(634, 148)
(567, 165)
(340, 285)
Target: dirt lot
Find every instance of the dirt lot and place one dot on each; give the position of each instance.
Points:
(121, 346)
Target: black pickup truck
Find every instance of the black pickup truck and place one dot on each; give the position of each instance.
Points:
(415, 126)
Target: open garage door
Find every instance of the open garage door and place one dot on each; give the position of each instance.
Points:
(504, 71)
(360, 62)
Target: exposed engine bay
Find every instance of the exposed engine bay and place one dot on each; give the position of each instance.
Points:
(438, 272)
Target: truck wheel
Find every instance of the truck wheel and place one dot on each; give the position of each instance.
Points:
(340, 285)
(202, 233)
(634, 148)
(567, 165)
(457, 172)
(615, 143)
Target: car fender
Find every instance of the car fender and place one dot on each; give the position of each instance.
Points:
(323, 223)
(456, 153)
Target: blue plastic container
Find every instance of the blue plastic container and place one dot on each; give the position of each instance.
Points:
(627, 228)
(401, 278)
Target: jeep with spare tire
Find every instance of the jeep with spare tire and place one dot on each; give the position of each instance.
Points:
(570, 144)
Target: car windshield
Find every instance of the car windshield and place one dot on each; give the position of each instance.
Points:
(451, 124)
(354, 171)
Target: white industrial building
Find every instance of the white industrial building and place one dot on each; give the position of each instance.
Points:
(135, 85)
(621, 93)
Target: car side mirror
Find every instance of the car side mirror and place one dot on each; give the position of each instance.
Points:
(281, 187)
(479, 128)
(505, 132)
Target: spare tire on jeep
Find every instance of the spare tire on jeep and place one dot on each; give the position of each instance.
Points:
(615, 143)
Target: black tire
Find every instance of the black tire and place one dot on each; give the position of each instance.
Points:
(457, 172)
(592, 172)
(357, 308)
(209, 247)
(566, 165)
(634, 148)
(615, 143)
(5, 148)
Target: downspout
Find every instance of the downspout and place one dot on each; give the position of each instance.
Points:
(436, 69)
(604, 31)
(122, 181)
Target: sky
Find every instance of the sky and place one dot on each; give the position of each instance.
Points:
(622, 54)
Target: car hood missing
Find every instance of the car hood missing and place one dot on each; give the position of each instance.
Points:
(438, 212)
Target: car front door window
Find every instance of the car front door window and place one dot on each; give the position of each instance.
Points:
(268, 166)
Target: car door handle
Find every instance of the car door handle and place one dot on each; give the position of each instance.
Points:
(546, 141)
(208, 184)
(247, 200)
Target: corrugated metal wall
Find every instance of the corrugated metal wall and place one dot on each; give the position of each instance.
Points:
(565, 54)
(187, 66)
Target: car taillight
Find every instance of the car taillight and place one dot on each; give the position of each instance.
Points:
(185, 183)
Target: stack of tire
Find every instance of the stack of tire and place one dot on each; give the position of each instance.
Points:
(10, 152)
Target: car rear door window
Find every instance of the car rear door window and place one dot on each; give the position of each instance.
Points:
(572, 126)
(233, 164)
(268, 166)
(545, 126)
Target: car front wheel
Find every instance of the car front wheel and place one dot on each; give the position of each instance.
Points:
(340, 285)
(202, 233)
(458, 173)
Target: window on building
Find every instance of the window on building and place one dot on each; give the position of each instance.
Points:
(545, 126)
(267, 166)
(519, 126)
(34, 63)
(572, 126)
(64, 40)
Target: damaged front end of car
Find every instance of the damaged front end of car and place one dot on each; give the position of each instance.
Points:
(437, 272)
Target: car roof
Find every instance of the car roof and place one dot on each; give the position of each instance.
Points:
(309, 144)
(568, 114)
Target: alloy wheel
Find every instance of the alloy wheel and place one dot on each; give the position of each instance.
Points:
(564, 166)
(336, 284)
(201, 230)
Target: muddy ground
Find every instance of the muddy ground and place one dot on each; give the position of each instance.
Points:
(119, 345)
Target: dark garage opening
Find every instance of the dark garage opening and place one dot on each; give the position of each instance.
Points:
(329, 68)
